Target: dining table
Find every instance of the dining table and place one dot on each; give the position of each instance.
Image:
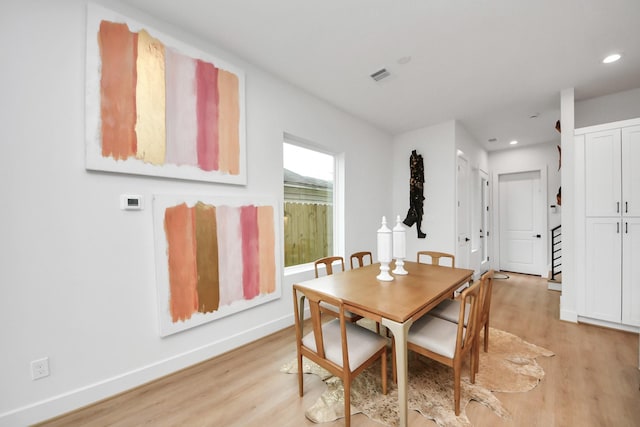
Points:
(395, 304)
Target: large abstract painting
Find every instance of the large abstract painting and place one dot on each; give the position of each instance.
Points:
(214, 257)
(156, 106)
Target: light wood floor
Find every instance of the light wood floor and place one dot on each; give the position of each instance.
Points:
(593, 380)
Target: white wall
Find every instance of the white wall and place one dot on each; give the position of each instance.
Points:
(570, 182)
(473, 151)
(610, 108)
(529, 158)
(478, 161)
(78, 274)
(436, 144)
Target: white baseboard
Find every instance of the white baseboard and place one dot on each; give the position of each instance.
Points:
(91, 393)
(611, 325)
(554, 286)
(568, 316)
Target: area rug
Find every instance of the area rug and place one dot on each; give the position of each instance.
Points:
(509, 366)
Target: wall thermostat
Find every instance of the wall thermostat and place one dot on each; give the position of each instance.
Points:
(131, 202)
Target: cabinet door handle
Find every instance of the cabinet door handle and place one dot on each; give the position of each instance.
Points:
(617, 207)
(626, 207)
(617, 227)
(626, 228)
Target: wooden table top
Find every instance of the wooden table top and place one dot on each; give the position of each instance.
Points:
(405, 297)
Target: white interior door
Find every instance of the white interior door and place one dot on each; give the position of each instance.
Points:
(520, 202)
(484, 222)
(463, 253)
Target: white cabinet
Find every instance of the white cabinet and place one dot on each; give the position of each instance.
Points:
(630, 231)
(611, 159)
(604, 269)
(630, 204)
(611, 197)
(612, 282)
(603, 178)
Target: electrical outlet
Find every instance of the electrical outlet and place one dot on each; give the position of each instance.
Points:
(40, 368)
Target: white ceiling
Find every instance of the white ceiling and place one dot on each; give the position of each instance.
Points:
(491, 64)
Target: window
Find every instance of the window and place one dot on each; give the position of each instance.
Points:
(309, 203)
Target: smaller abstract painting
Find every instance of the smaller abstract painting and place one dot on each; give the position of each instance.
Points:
(214, 257)
(156, 106)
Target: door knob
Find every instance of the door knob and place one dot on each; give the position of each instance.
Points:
(466, 239)
(538, 236)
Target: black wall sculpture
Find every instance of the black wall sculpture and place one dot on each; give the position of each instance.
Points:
(416, 193)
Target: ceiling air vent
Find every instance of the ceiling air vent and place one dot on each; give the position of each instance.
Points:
(380, 74)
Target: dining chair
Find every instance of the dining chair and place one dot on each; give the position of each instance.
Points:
(342, 348)
(447, 342)
(327, 308)
(486, 307)
(328, 264)
(449, 309)
(435, 257)
(360, 257)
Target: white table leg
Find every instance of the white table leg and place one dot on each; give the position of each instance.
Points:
(300, 297)
(301, 308)
(399, 331)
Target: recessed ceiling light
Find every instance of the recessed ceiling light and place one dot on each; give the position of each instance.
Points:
(611, 58)
(404, 60)
(514, 142)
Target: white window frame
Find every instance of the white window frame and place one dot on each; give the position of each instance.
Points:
(338, 199)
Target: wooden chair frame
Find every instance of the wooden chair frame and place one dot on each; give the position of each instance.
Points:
(466, 342)
(318, 356)
(360, 257)
(445, 310)
(328, 264)
(435, 257)
(327, 308)
(486, 289)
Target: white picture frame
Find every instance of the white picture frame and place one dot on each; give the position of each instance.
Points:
(238, 245)
(178, 123)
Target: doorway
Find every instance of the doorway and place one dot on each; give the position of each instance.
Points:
(522, 221)
(483, 235)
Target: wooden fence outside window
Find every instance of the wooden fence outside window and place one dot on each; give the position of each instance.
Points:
(308, 232)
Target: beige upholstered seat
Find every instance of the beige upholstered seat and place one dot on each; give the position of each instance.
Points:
(449, 310)
(435, 257)
(360, 257)
(342, 348)
(447, 342)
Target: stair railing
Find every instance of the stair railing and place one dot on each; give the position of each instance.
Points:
(556, 251)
